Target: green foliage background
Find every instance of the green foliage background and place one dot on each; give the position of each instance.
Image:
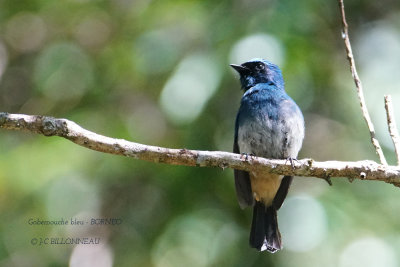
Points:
(105, 65)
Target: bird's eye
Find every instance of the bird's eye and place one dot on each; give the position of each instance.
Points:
(260, 66)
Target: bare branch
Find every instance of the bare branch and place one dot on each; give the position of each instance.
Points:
(391, 121)
(49, 126)
(357, 81)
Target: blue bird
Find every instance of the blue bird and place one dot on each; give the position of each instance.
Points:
(269, 124)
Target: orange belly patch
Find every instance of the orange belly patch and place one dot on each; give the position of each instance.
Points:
(265, 186)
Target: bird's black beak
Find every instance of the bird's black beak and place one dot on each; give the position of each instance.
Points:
(240, 69)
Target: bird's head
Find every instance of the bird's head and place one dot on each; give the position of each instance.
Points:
(258, 71)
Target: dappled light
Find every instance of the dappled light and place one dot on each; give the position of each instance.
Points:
(186, 93)
(157, 73)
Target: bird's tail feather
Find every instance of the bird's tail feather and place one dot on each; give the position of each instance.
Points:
(264, 233)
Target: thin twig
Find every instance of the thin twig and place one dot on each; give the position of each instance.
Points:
(391, 121)
(49, 126)
(357, 81)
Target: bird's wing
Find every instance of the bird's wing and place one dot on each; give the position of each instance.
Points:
(282, 192)
(294, 119)
(242, 178)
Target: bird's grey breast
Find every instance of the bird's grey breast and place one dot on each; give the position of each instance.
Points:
(271, 129)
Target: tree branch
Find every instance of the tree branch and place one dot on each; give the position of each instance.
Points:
(391, 121)
(49, 126)
(357, 81)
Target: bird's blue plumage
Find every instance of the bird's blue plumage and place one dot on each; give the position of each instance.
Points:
(268, 124)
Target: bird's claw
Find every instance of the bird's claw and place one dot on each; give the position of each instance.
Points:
(246, 156)
(291, 160)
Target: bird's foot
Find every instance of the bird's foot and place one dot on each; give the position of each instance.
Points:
(246, 156)
(291, 161)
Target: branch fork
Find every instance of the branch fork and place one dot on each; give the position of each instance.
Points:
(388, 106)
(362, 170)
(49, 126)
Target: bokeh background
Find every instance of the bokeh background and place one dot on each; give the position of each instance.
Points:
(157, 72)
